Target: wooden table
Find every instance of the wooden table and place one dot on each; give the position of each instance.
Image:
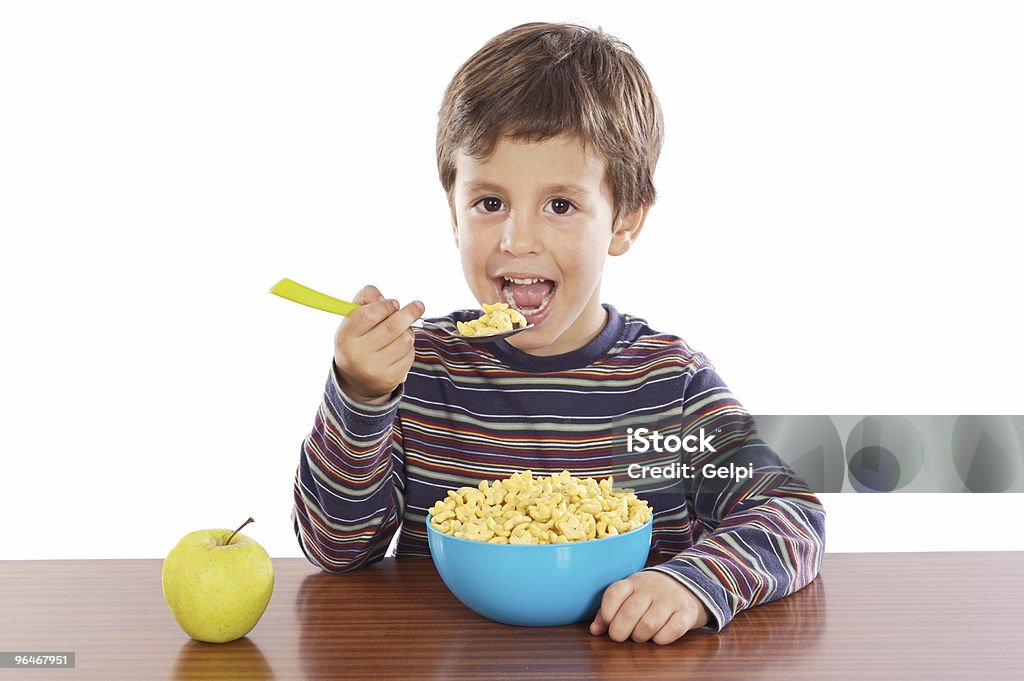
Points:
(867, 616)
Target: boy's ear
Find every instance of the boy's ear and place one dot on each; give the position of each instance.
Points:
(626, 229)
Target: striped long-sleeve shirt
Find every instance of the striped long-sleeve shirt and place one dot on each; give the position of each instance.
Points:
(471, 412)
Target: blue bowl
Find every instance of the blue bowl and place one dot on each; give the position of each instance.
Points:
(531, 585)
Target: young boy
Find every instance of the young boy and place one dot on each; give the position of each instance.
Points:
(546, 147)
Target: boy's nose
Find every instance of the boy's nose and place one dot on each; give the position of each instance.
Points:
(521, 236)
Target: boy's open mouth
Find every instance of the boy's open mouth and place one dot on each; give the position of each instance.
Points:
(530, 295)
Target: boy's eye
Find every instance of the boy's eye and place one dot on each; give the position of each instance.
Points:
(491, 204)
(561, 206)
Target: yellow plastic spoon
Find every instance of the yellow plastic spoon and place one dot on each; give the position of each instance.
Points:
(297, 293)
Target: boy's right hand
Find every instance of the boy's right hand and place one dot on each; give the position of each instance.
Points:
(373, 347)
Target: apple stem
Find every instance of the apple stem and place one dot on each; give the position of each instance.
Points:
(228, 542)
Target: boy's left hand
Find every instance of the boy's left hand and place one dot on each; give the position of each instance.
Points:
(648, 606)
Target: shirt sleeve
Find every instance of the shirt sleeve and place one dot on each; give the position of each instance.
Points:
(349, 486)
(762, 538)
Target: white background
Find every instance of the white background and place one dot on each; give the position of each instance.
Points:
(838, 228)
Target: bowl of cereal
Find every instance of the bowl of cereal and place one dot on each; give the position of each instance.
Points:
(536, 551)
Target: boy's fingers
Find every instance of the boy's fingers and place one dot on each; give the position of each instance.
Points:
(367, 294)
(627, 618)
(650, 623)
(395, 325)
(673, 629)
(399, 350)
(364, 320)
(614, 596)
(598, 626)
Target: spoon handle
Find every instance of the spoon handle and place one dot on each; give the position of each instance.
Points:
(296, 292)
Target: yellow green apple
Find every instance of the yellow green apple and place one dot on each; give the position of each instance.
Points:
(217, 584)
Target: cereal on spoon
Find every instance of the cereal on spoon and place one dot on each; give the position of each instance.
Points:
(497, 318)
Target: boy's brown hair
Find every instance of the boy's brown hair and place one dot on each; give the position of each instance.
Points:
(540, 80)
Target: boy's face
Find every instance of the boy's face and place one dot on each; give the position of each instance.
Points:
(534, 223)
